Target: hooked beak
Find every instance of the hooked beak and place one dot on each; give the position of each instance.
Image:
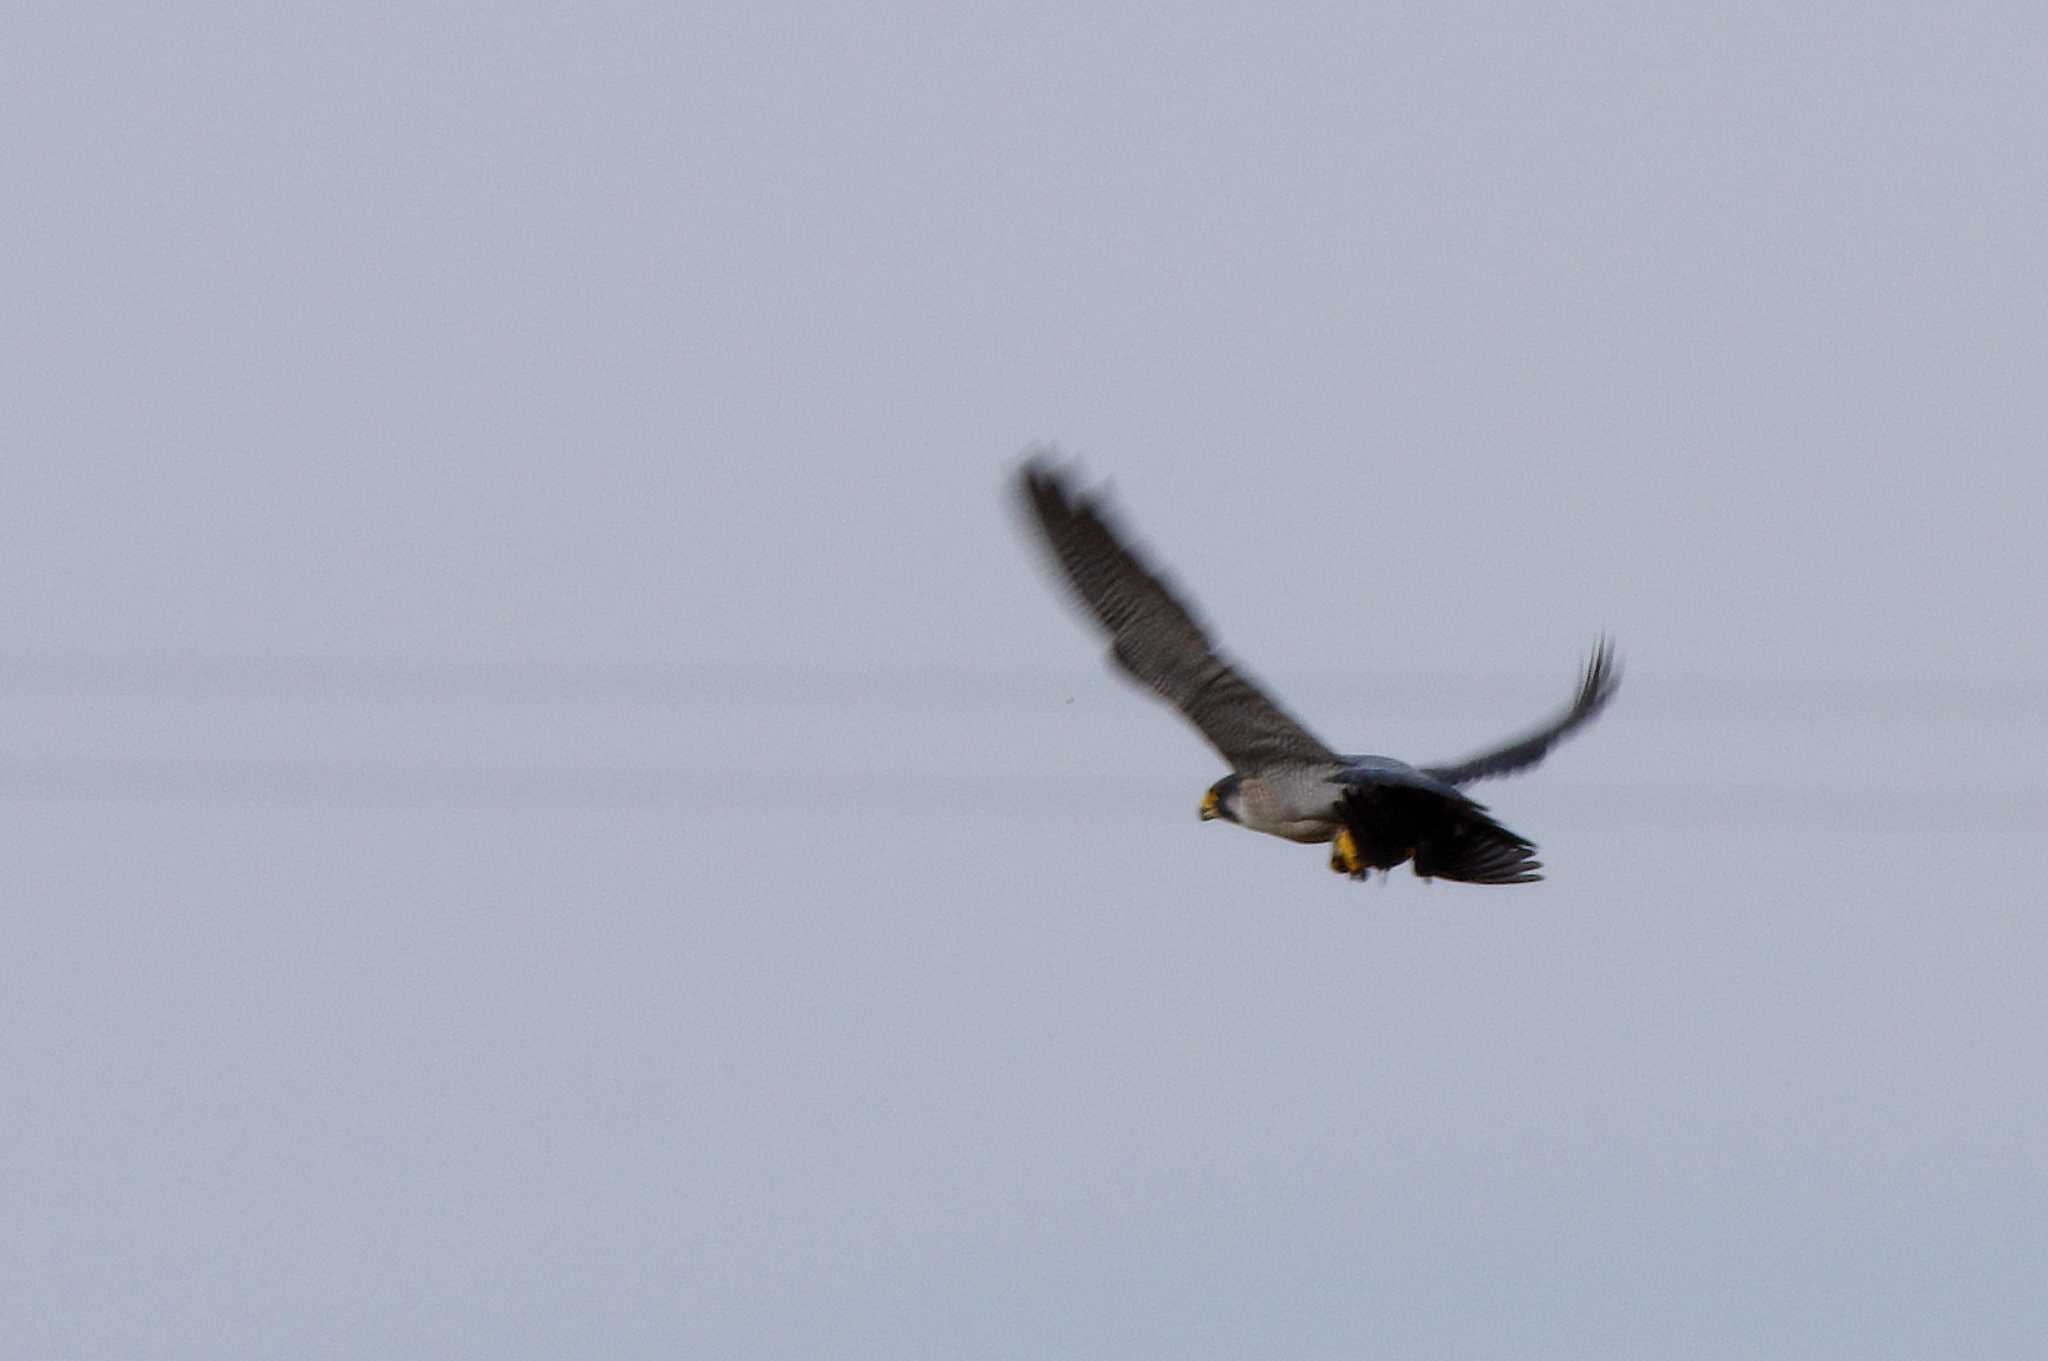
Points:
(1211, 807)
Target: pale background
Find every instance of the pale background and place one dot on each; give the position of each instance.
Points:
(548, 811)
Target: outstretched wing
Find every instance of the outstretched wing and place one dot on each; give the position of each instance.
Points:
(1155, 637)
(1597, 685)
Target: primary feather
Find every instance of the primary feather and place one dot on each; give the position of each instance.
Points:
(1597, 684)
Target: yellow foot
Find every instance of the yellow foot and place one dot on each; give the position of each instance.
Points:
(1344, 855)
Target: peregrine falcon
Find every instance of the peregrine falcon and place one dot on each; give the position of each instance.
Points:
(1375, 812)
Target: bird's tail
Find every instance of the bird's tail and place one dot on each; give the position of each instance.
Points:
(1449, 836)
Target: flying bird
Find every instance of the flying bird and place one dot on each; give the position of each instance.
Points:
(1375, 812)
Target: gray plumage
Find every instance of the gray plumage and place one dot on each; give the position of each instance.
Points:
(1377, 811)
(1155, 637)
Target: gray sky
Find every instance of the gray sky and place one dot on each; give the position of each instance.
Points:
(550, 813)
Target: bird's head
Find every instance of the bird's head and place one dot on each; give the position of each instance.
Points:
(1222, 800)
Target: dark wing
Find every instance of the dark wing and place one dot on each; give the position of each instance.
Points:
(1596, 686)
(1155, 637)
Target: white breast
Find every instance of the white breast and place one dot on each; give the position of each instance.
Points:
(1297, 809)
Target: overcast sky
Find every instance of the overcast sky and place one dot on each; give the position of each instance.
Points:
(550, 812)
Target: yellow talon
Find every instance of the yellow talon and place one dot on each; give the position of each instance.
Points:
(1344, 855)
